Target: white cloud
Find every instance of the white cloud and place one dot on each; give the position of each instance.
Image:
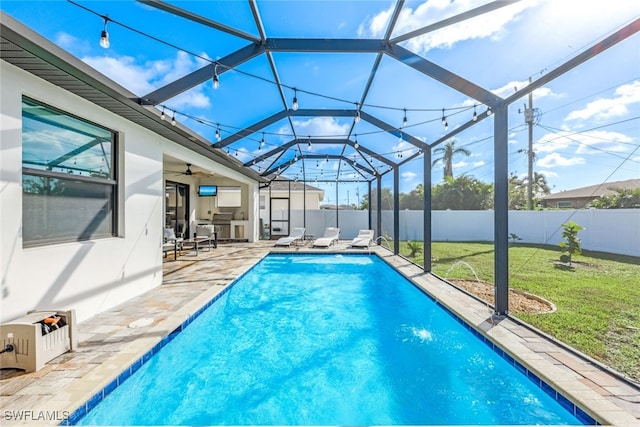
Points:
(403, 146)
(317, 127)
(479, 163)
(488, 25)
(146, 77)
(586, 142)
(408, 176)
(607, 108)
(460, 164)
(511, 87)
(556, 160)
(71, 43)
(548, 173)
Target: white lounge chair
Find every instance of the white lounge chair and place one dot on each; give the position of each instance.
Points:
(296, 236)
(363, 239)
(331, 236)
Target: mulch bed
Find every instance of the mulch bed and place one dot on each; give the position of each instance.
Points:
(518, 302)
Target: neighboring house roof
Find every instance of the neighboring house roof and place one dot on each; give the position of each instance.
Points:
(340, 207)
(594, 191)
(295, 186)
(31, 52)
(281, 184)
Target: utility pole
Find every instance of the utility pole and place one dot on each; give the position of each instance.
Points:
(528, 118)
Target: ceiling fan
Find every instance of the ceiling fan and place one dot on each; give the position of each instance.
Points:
(189, 172)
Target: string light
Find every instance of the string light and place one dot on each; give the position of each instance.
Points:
(262, 140)
(216, 80)
(444, 121)
(357, 118)
(309, 143)
(106, 19)
(489, 111)
(295, 100)
(475, 115)
(173, 119)
(104, 35)
(218, 137)
(356, 145)
(404, 121)
(162, 116)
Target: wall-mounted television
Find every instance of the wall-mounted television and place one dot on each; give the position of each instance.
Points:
(208, 190)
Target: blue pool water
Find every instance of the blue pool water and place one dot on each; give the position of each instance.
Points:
(326, 340)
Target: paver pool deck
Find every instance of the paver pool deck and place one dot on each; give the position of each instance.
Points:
(108, 345)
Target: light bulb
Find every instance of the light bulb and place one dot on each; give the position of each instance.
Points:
(104, 39)
(173, 119)
(162, 116)
(489, 111)
(216, 81)
(218, 137)
(357, 119)
(295, 100)
(309, 143)
(356, 145)
(404, 121)
(104, 35)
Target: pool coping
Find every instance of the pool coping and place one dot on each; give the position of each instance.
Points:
(91, 388)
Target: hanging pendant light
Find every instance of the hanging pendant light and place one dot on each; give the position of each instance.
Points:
(216, 80)
(104, 35)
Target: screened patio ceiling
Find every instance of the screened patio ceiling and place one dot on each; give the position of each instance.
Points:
(313, 105)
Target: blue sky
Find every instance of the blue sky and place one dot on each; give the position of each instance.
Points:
(587, 127)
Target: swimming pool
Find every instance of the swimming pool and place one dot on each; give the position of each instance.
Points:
(326, 340)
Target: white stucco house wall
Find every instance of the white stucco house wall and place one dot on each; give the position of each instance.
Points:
(282, 200)
(92, 271)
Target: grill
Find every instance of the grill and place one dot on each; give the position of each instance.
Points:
(222, 223)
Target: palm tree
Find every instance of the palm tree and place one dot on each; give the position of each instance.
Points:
(448, 151)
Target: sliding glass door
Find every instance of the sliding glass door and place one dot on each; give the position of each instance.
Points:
(177, 207)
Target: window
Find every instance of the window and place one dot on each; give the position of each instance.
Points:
(229, 197)
(69, 184)
(263, 202)
(565, 204)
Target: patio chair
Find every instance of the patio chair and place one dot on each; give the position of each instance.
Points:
(296, 236)
(363, 239)
(171, 242)
(208, 230)
(331, 236)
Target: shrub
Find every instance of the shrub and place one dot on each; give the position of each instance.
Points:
(571, 245)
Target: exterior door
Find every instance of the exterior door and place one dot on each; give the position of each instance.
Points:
(177, 207)
(279, 217)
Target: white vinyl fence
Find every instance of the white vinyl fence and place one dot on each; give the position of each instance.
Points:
(607, 230)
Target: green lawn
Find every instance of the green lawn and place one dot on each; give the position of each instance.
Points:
(598, 301)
